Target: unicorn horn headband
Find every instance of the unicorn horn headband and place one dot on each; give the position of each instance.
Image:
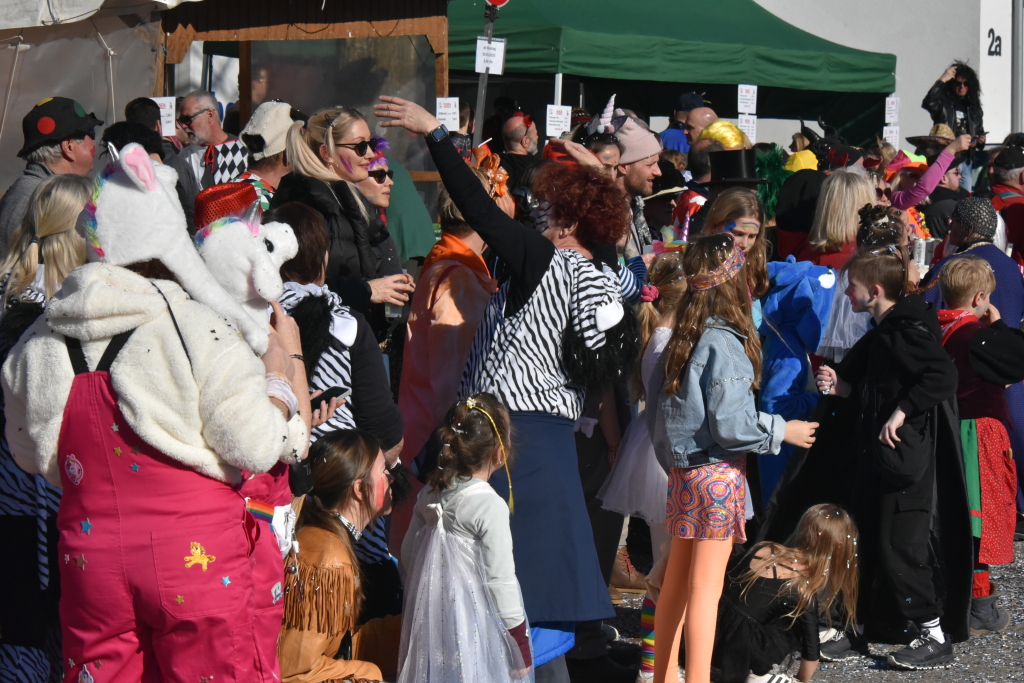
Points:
(723, 273)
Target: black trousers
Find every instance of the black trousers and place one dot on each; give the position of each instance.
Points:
(896, 558)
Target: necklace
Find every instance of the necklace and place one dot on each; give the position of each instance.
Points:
(981, 243)
(356, 533)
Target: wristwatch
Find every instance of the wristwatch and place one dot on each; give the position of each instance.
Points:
(439, 133)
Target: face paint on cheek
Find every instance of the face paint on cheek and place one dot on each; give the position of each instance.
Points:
(381, 490)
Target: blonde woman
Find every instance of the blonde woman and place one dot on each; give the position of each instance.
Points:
(833, 238)
(46, 246)
(26, 285)
(329, 153)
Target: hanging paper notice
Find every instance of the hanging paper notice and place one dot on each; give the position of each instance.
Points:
(747, 99)
(891, 134)
(166, 105)
(559, 119)
(748, 124)
(448, 112)
(892, 109)
(490, 55)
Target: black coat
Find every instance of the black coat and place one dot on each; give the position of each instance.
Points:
(361, 248)
(898, 363)
(943, 106)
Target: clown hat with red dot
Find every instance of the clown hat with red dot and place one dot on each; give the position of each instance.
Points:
(53, 120)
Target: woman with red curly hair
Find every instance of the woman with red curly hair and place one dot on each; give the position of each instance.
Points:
(552, 330)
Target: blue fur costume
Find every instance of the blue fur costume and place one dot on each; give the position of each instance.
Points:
(795, 312)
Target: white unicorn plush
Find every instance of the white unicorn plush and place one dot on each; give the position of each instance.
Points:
(135, 216)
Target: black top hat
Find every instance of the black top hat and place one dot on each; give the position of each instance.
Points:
(734, 167)
(55, 119)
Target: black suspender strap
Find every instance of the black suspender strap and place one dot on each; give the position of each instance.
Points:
(78, 362)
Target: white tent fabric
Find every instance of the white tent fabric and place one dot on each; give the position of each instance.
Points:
(103, 63)
(26, 13)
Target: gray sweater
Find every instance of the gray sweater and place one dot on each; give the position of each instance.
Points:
(15, 203)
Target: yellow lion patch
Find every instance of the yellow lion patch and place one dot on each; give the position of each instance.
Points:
(198, 556)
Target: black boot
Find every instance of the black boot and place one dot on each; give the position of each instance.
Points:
(986, 617)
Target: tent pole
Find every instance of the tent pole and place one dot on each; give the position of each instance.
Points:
(1017, 69)
(490, 14)
(558, 88)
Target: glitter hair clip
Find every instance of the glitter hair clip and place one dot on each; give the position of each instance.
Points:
(722, 274)
(471, 403)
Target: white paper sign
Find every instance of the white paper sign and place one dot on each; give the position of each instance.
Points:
(448, 112)
(892, 109)
(892, 135)
(747, 99)
(559, 119)
(490, 55)
(166, 105)
(748, 124)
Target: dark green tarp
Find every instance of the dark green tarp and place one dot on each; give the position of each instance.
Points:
(680, 41)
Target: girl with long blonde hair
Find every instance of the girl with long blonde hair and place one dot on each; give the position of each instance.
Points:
(738, 212)
(704, 424)
(46, 247)
(775, 594)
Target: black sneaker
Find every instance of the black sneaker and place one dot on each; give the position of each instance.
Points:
(923, 653)
(1018, 531)
(842, 645)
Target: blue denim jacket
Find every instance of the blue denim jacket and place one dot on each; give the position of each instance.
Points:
(713, 416)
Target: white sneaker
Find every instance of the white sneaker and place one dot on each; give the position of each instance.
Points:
(770, 678)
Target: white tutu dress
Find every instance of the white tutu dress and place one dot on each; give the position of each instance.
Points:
(461, 597)
(638, 484)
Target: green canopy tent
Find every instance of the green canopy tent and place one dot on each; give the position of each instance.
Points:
(684, 42)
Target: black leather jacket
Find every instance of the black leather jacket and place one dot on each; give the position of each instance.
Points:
(943, 107)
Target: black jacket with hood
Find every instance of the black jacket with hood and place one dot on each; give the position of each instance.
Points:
(361, 248)
(898, 363)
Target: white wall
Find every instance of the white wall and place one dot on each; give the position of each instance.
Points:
(189, 73)
(925, 35)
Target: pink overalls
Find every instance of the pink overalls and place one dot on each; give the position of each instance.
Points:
(264, 493)
(156, 575)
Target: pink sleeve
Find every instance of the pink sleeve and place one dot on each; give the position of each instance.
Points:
(904, 199)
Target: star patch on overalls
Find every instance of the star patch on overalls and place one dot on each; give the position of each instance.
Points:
(74, 469)
(198, 556)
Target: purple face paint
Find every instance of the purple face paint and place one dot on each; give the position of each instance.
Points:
(345, 163)
(730, 226)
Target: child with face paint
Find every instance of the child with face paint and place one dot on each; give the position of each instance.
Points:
(903, 381)
(738, 212)
(323, 592)
(464, 615)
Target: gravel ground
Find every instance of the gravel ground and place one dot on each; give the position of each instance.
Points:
(982, 659)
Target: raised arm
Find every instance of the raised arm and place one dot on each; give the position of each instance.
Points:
(522, 249)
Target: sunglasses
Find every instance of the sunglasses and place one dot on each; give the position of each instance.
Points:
(380, 174)
(361, 148)
(186, 120)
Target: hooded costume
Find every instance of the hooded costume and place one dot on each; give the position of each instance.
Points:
(144, 406)
(794, 315)
(906, 500)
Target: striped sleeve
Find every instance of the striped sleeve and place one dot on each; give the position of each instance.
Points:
(596, 301)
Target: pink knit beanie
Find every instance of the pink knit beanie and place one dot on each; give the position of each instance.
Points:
(639, 143)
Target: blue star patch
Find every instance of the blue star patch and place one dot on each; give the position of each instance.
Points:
(86, 526)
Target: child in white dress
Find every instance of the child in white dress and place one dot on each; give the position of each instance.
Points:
(463, 618)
